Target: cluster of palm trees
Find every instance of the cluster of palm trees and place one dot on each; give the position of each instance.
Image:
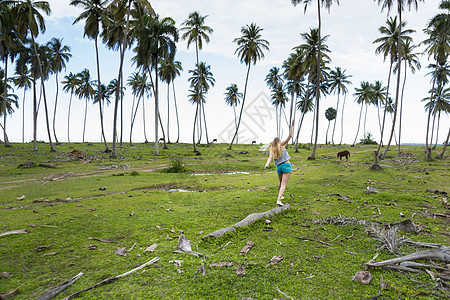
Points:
(305, 75)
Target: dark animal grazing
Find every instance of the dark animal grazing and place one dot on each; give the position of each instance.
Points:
(214, 141)
(161, 139)
(342, 154)
(253, 142)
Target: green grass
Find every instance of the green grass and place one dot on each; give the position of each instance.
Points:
(136, 206)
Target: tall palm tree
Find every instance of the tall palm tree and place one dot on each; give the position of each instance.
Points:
(23, 81)
(330, 114)
(94, 16)
(30, 21)
(155, 39)
(327, 4)
(169, 70)
(139, 87)
(437, 30)
(60, 55)
(70, 84)
(233, 98)
(250, 50)
(85, 90)
(279, 100)
(195, 31)
(379, 98)
(141, 10)
(202, 80)
(338, 85)
(274, 81)
(401, 5)
(411, 60)
(7, 101)
(8, 51)
(364, 95)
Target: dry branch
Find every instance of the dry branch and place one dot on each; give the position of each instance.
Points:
(50, 294)
(442, 254)
(248, 220)
(184, 245)
(111, 279)
(14, 232)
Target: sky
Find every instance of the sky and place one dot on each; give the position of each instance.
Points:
(351, 28)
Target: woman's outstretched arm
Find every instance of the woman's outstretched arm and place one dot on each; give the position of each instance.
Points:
(290, 134)
(268, 161)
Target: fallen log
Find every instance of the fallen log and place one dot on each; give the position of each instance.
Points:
(442, 254)
(248, 220)
(50, 294)
(14, 232)
(111, 279)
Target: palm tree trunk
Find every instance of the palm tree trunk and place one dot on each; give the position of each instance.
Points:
(23, 116)
(298, 132)
(326, 135)
(193, 131)
(52, 148)
(437, 130)
(5, 112)
(235, 121)
(68, 118)
(385, 108)
(34, 115)
(143, 117)
(359, 124)
(427, 147)
(204, 120)
(131, 118)
(335, 119)
(342, 120)
(176, 112)
(199, 123)
(54, 111)
(242, 108)
(85, 116)
(162, 130)
(441, 154)
(313, 154)
(107, 150)
(312, 130)
(156, 108)
(168, 112)
(397, 90)
(134, 118)
(365, 119)
(401, 112)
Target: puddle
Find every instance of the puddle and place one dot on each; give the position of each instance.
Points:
(179, 190)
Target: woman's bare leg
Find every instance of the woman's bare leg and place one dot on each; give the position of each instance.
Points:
(282, 186)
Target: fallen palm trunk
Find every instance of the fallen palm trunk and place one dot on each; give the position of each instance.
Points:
(111, 279)
(442, 254)
(55, 291)
(248, 220)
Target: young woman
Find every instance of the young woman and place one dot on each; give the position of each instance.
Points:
(280, 157)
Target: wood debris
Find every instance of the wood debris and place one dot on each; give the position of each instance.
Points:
(240, 271)
(14, 232)
(248, 220)
(222, 264)
(184, 245)
(151, 248)
(363, 277)
(50, 294)
(9, 294)
(247, 247)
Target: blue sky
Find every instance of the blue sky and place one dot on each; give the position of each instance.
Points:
(351, 27)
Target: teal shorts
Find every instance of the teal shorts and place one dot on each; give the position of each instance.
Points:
(284, 168)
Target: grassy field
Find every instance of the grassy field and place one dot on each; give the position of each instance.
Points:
(132, 201)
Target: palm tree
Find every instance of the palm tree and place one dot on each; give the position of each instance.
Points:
(23, 81)
(29, 20)
(437, 46)
(338, 85)
(70, 84)
(410, 60)
(169, 70)
(401, 4)
(139, 87)
(275, 83)
(327, 4)
(388, 47)
(141, 10)
(85, 91)
(250, 50)
(60, 55)
(155, 39)
(437, 103)
(379, 98)
(304, 105)
(7, 101)
(196, 31)
(202, 80)
(233, 98)
(8, 51)
(364, 95)
(279, 100)
(94, 16)
(330, 114)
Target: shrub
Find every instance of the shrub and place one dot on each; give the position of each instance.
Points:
(176, 166)
(367, 140)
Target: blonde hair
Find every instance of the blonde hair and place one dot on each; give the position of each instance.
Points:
(275, 148)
